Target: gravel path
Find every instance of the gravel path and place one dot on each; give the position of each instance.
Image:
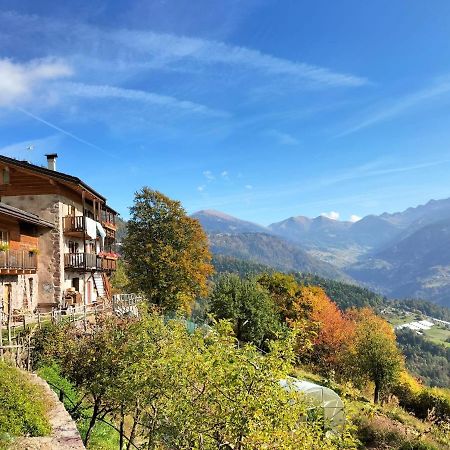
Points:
(65, 435)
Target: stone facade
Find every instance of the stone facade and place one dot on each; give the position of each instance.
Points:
(51, 259)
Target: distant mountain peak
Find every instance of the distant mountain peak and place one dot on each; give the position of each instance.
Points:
(215, 213)
(216, 221)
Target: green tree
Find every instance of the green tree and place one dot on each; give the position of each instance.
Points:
(247, 305)
(119, 280)
(166, 252)
(375, 355)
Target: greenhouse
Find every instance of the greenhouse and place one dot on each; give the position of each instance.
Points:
(321, 398)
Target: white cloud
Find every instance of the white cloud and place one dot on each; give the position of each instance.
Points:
(354, 218)
(282, 138)
(201, 188)
(67, 133)
(334, 215)
(130, 50)
(169, 48)
(105, 91)
(401, 105)
(18, 80)
(209, 175)
(32, 149)
(248, 186)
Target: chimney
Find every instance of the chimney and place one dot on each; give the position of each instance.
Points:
(51, 161)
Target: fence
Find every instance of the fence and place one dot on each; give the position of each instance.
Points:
(19, 328)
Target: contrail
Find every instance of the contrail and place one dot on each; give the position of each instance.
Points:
(67, 133)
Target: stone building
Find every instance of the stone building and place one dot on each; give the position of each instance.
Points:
(74, 253)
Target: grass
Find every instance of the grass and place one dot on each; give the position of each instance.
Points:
(24, 406)
(103, 437)
(438, 335)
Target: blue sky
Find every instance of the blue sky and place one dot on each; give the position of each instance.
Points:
(263, 109)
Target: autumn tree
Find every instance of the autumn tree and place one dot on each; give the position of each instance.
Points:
(166, 252)
(334, 332)
(247, 305)
(375, 356)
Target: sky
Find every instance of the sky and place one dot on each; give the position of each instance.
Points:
(263, 109)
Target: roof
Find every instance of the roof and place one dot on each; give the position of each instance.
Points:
(24, 216)
(51, 174)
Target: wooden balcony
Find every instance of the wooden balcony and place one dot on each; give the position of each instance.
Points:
(107, 264)
(18, 262)
(87, 262)
(80, 261)
(74, 226)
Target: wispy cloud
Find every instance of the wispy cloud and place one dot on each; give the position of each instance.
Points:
(282, 138)
(126, 50)
(201, 188)
(18, 80)
(67, 133)
(249, 187)
(32, 149)
(168, 48)
(402, 105)
(108, 92)
(209, 175)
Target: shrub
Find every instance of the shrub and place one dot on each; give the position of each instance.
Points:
(23, 405)
(422, 401)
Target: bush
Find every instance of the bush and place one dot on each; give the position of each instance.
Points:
(23, 405)
(423, 402)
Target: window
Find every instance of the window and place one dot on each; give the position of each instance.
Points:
(76, 284)
(4, 237)
(73, 247)
(5, 176)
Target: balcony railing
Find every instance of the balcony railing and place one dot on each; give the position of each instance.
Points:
(82, 261)
(88, 261)
(74, 224)
(18, 259)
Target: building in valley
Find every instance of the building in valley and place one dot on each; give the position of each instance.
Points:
(65, 231)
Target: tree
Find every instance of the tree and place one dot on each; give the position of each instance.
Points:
(334, 333)
(375, 356)
(166, 252)
(119, 280)
(247, 305)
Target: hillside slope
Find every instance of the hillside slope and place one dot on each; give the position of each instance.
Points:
(271, 251)
(417, 266)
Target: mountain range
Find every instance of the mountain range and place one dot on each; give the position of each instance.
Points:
(404, 254)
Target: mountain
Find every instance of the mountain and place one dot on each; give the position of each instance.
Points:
(271, 251)
(319, 232)
(416, 266)
(218, 222)
(403, 254)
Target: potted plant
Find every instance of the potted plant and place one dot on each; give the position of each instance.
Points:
(4, 247)
(34, 251)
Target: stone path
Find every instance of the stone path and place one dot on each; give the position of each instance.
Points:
(65, 435)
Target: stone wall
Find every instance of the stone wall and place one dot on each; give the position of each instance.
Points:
(24, 291)
(51, 257)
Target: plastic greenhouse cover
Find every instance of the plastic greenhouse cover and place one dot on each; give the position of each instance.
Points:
(320, 397)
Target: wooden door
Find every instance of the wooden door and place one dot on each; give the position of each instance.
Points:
(7, 293)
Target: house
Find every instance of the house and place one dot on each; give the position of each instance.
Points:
(20, 232)
(73, 241)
